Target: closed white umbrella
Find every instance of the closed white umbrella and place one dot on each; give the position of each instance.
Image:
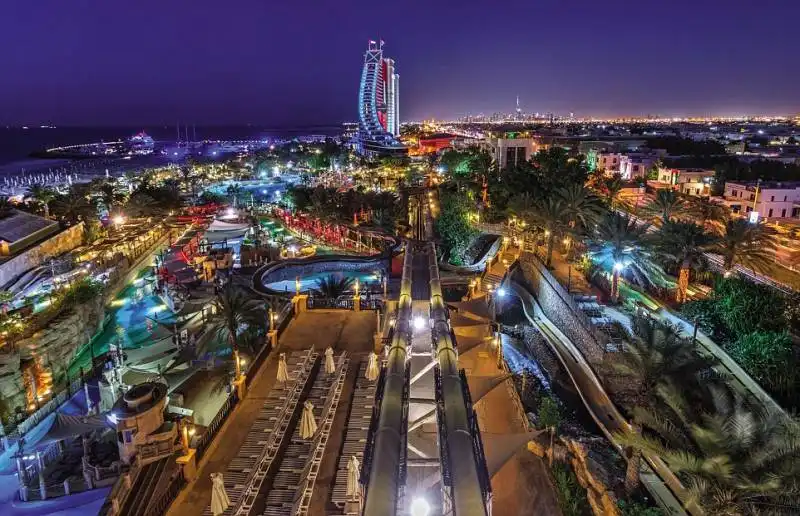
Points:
(308, 427)
(372, 367)
(330, 365)
(283, 374)
(219, 498)
(353, 474)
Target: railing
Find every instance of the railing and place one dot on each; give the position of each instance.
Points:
(284, 318)
(444, 451)
(216, 423)
(477, 442)
(162, 503)
(342, 303)
(369, 446)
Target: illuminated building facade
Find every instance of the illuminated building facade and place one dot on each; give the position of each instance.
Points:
(378, 105)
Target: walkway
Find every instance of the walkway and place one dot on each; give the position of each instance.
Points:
(521, 484)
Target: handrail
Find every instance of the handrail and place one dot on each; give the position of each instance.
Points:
(468, 491)
(384, 478)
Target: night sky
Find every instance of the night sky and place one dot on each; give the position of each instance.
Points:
(285, 63)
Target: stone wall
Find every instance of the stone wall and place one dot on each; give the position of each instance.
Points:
(57, 244)
(560, 308)
(55, 345)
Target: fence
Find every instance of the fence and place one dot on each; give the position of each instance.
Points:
(159, 507)
(343, 303)
(216, 423)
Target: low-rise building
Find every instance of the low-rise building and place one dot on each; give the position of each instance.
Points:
(512, 151)
(770, 199)
(690, 181)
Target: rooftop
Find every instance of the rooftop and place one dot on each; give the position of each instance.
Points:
(20, 225)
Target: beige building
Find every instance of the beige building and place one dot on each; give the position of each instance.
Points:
(770, 199)
(690, 181)
(511, 151)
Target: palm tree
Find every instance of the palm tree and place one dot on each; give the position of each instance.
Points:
(612, 186)
(331, 286)
(550, 215)
(583, 207)
(620, 244)
(685, 244)
(233, 192)
(735, 459)
(235, 313)
(707, 212)
(5, 207)
(73, 206)
(666, 204)
(746, 244)
(658, 355)
(109, 194)
(41, 195)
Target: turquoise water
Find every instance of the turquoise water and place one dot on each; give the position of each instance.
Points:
(309, 282)
(128, 314)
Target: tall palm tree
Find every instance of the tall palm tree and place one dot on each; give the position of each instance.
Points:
(73, 206)
(5, 207)
(657, 356)
(550, 215)
(332, 286)
(665, 204)
(583, 208)
(735, 459)
(746, 244)
(235, 313)
(612, 186)
(685, 244)
(620, 244)
(707, 213)
(109, 194)
(43, 195)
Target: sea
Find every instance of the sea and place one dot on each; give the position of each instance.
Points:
(18, 143)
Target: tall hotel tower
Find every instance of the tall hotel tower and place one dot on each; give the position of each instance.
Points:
(379, 104)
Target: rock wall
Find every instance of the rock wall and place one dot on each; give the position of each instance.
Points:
(595, 471)
(55, 346)
(561, 309)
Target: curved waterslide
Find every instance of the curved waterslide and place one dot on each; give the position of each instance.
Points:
(384, 477)
(659, 480)
(467, 491)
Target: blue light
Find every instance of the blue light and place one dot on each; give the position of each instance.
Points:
(501, 292)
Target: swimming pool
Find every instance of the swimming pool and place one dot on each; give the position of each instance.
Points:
(309, 281)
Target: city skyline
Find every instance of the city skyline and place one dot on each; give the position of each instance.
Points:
(137, 64)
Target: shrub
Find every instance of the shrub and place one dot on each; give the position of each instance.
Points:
(571, 496)
(549, 414)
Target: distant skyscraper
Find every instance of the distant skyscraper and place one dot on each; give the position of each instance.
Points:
(378, 104)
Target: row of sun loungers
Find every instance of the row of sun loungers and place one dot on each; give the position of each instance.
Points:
(248, 469)
(293, 484)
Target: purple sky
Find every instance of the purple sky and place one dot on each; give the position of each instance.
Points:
(297, 62)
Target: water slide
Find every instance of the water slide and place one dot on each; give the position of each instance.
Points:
(662, 484)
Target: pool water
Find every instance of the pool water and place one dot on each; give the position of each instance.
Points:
(309, 282)
(130, 319)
